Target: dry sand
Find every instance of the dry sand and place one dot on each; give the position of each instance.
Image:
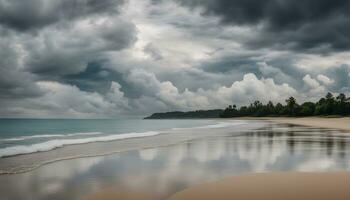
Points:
(273, 186)
(342, 123)
(119, 193)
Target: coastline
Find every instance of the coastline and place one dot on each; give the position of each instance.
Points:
(183, 159)
(28, 162)
(267, 185)
(340, 123)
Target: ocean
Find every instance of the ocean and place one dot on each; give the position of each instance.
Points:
(24, 136)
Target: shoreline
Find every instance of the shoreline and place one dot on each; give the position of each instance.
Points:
(27, 162)
(189, 158)
(273, 186)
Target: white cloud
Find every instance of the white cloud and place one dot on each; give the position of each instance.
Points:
(324, 79)
(312, 83)
(247, 90)
(321, 62)
(116, 96)
(251, 88)
(69, 100)
(63, 100)
(314, 89)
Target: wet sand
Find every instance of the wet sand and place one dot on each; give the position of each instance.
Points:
(273, 186)
(269, 186)
(276, 186)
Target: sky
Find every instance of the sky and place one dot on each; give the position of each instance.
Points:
(131, 58)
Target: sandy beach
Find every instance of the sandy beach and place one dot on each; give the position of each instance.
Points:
(258, 186)
(342, 123)
(269, 186)
(273, 186)
(276, 186)
(120, 193)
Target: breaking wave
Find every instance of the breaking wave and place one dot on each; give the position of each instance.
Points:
(57, 143)
(21, 138)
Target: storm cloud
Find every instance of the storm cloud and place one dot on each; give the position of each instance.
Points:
(35, 14)
(117, 58)
(307, 25)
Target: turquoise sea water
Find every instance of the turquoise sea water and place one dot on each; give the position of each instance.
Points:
(27, 127)
(21, 136)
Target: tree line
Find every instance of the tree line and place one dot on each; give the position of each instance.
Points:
(328, 105)
(198, 114)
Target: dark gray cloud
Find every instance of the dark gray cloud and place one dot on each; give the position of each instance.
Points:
(309, 25)
(46, 49)
(97, 78)
(279, 14)
(56, 52)
(33, 14)
(14, 83)
(102, 58)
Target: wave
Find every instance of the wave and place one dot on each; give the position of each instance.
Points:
(21, 138)
(57, 143)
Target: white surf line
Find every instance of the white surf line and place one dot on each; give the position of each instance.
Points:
(53, 144)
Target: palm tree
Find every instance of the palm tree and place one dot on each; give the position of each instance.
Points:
(340, 107)
(291, 104)
(341, 98)
(329, 96)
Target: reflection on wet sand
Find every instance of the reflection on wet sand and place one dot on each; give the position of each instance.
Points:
(165, 170)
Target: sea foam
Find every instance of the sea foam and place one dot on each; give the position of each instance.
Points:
(21, 138)
(57, 143)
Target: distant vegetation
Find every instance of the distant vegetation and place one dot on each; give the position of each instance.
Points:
(329, 105)
(187, 115)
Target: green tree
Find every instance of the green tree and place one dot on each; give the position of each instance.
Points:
(292, 105)
(341, 104)
(230, 111)
(279, 109)
(307, 109)
(329, 104)
(341, 98)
